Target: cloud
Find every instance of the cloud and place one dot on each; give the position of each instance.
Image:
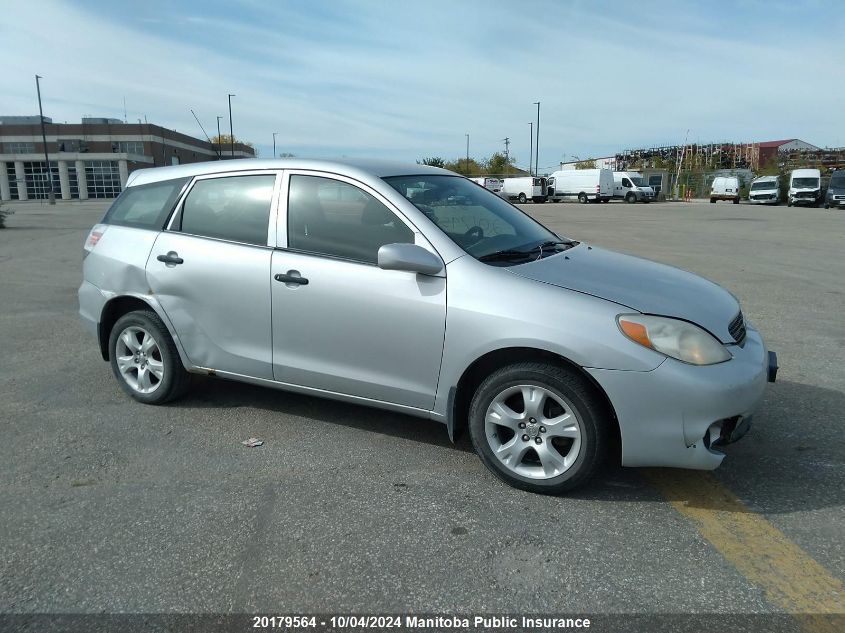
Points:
(407, 80)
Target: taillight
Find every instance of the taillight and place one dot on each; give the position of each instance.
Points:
(94, 237)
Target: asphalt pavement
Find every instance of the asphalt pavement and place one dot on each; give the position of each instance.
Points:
(112, 506)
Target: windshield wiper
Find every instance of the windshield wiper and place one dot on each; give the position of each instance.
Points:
(513, 253)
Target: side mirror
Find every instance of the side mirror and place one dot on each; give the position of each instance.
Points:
(409, 257)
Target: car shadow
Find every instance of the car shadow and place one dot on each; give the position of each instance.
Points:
(785, 464)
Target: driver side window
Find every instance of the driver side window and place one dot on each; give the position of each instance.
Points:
(331, 217)
(626, 183)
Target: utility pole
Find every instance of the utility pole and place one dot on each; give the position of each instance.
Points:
(467, 154)
(219, 148)
(507, 142)
(274, 144)
(51, 195)
(537, 144)
(531, 150)
(231, 133)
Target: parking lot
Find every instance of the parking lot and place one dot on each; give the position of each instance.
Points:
(109, 505)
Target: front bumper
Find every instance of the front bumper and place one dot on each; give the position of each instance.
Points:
(665, 414)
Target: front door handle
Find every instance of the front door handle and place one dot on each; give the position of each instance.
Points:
(171, 259)
(291, 277)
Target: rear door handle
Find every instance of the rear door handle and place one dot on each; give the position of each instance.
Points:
(291, 279)
(171, 259)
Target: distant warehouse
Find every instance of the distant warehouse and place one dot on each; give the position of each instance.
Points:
(91, 159)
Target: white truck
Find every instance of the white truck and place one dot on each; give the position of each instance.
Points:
(725, 188)
(630, 187)
(764, 190)
(584, 184)
(524, 189)
(805, 187)
(492, 184)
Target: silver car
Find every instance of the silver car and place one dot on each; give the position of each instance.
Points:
(413, 289)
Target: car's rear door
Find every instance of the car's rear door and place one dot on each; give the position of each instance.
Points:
(210, 271)
(341, 323)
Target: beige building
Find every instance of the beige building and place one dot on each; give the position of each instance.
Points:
(91, 159)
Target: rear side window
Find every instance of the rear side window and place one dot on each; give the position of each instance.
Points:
(145, 206)
(235, 208)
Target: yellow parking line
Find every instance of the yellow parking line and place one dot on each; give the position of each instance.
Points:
(792, 580)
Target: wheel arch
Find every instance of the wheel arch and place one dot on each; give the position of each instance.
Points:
(461, 394)
(119, 305)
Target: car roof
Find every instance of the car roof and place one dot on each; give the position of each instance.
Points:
(353, 167)
(805, 172)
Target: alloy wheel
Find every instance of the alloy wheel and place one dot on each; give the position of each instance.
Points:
(533, 432)
(139, 359)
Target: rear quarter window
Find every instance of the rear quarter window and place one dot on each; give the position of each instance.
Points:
(145, 206)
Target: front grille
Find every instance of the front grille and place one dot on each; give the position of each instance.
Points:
(805, 194)
(736, 328)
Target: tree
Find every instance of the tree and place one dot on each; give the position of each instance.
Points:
(224, 140)
(434, 161)
(587, 163)
(499, 165)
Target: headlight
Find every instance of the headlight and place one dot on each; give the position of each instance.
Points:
(673, 337)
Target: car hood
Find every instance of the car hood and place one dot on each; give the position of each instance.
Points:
(639, 284)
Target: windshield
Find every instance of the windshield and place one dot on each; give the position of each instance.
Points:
(766, 184)
(838, 181)
(805, 182)
(638, 181)
(478, 221)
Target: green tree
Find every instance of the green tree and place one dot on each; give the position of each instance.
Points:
(433, 161)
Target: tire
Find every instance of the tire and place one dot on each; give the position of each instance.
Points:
(582, 198)
(736, 200)
(135, 377)
(522, 199)
(712, 200)
(630, 198)
(826, 205)
(789, 204)
(558, 391)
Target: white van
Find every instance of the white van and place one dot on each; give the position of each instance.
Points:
(523, 189)
(492, 184)
(805, 187)
(725, 188)
(584, 184)
(764, 190)
(630, 187)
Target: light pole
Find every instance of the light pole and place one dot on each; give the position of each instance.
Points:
(531, 151)
(537, 144)
(219, 149)
(467, 154)
(274, 144)
(231, 133)
(50, 195)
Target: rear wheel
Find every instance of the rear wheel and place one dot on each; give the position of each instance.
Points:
(144, 359)
(582, 198)
(538, 427)
(522, 199)
(712, 200)
(736, 200)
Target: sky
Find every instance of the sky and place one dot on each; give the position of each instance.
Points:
(407, 80)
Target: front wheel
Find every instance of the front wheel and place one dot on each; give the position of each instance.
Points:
(144, 359)
(630, 198)
(538, 427)
(522, 199)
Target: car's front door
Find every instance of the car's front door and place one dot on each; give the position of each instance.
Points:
(210, 271)
(341, 323)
